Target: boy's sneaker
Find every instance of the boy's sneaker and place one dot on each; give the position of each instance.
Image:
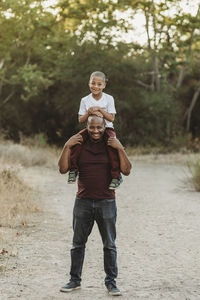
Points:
(120, 178)
(113, 290)
(72, 177)
(115, 183)
(70, 286)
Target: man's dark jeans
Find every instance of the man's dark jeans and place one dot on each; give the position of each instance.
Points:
(104, 212)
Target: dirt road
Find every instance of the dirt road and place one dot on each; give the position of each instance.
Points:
(158, 240)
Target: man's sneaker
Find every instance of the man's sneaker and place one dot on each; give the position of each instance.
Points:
(115, 183)
(72, 177)
(113, 290)
(71, 286)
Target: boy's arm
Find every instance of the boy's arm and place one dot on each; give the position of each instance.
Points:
(64, 160)
(83, 118)
(83, 113)
(125, 165)
(110, 112)
(108, 116)
(95, 109)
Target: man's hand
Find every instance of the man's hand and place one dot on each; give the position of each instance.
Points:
(74, 140)
(115, 143)
(64, 160)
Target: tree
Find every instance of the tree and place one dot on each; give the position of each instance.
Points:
(92, 20)
(23, 38)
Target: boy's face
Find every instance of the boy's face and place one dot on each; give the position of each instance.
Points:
(96, 85)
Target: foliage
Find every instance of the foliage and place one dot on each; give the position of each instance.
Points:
(46, 60)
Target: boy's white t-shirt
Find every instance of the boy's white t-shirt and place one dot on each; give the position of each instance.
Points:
(106, 102)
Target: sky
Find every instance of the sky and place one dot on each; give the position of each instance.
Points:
(188, 6)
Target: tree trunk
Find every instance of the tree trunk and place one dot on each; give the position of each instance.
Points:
(146, 13)
(7, 99)
(156, 73)
(190, 109)
(188, 55)
(152, 47)
(181, 77)
(1, 87)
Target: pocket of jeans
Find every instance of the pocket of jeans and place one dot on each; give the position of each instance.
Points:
(109, 209)
(81, 209)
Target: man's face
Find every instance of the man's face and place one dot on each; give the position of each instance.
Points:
(96, 128)
(96, 85)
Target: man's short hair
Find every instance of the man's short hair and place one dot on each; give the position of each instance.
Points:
(98, 74)
(94, 116)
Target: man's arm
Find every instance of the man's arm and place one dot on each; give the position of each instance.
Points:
(125, 165)
(64, 160)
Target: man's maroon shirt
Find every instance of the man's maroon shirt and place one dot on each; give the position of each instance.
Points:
(94, 172)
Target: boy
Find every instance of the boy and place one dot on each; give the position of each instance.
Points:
(100, 104)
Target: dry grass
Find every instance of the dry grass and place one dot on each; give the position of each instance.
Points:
(15, 195)
(16, 206)
(28, 156)
(148, 150)
(172, 158)
(15, 198)
(194, 168)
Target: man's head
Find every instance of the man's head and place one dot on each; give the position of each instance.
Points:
(96, 127)
(97, 82)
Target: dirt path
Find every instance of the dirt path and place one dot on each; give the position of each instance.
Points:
(158, 240)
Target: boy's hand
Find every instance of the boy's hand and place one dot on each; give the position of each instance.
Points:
(74, 140)
(115, 143)
(92, 110)
(95, 111)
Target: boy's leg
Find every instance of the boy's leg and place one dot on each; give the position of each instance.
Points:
(113, 155)
(75, 152)
(114, 160)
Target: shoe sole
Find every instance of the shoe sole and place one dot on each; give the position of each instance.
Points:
(69, 290)
(111, 188)
(114, 294)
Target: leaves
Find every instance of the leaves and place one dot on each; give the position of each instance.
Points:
(46, 60)
(32, 79)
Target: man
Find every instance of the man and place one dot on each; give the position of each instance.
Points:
(94, 201)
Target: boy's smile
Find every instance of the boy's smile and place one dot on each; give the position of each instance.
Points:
(96, 85)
